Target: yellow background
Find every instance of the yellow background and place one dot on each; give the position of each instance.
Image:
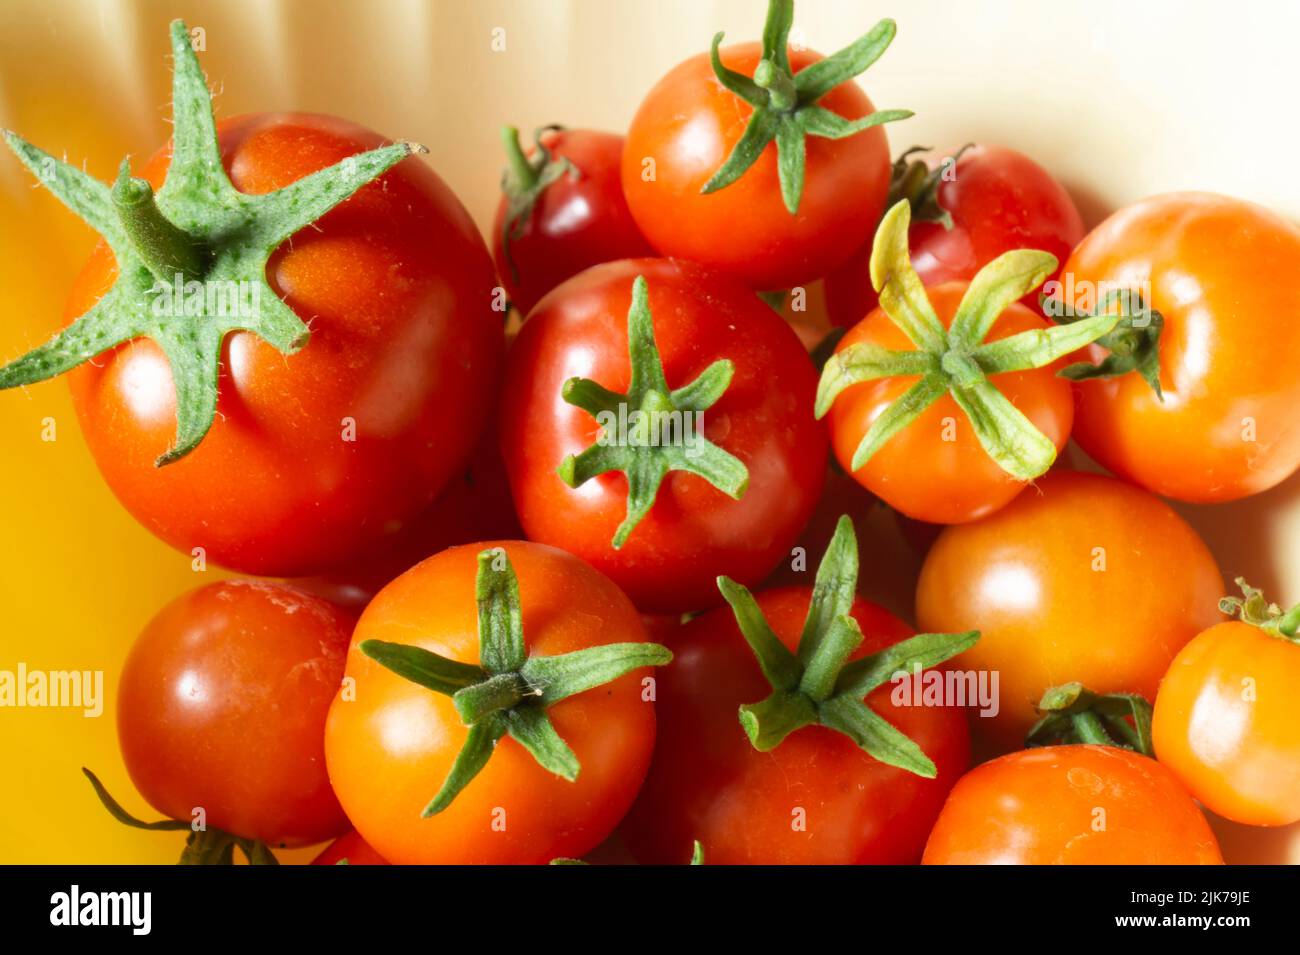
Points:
(1119, 98)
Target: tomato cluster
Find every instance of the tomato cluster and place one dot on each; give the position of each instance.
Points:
(620, 577)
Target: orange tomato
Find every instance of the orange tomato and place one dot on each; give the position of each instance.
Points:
(389, 742)
(1071, 805)
(1083, 578)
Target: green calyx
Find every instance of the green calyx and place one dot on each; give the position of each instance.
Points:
(913, 180)
(651, 430)
(816, 685)
(524, 180)
(191, 259)
(202, 847)
(785, 103)
(1132, 345)
(1071, 713)
(1253, 609)
(956, 360)
(508, 691)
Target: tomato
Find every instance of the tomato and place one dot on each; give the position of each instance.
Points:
(693, 530)
(998, 200)
(349, 849)
(1227, 721)
(936, 469)
(221, 707)
(311, 457)
(1212, 267)
(816, 797)
(563, 211)
(690, 124)
(1071, 805)
(1085, 578)
(389, 741)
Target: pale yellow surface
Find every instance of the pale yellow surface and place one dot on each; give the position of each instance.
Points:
(1119, 99)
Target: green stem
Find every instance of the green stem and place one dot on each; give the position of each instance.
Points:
(525, 176)
(500, 692)
(166, 250)
(1256, 611)
(1071, 713)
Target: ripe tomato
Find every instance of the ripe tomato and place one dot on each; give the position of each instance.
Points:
(998, 200)
(1227, 721)
(563, 211)
(763, 420)
(1211, 266)
(690, 124)
(1084, 578)
(349, 849)
(816, 797)
(1071, 805)
(222, 704)
(389, 741)
(936, 469)
(204, 429)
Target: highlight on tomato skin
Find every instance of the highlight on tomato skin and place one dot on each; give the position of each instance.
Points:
(1071, 805)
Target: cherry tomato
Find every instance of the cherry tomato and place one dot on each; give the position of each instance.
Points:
(316, 455)
(1212, 267)
(694, 531)
(222, 704)
(349, 849)
(391, 741)
(1083, 578)
(563, 212)
(1227, 722)
(936, 469)
(998, 199)
(1071, 805)
(685, 129)
(814, 799)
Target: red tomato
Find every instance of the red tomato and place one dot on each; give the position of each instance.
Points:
(1212, 267)
(694, 531)
(221, 707)
(397, 286)
(999, 200)
(349, 849)
(935, 469)
(1227, 721)
(570, 219)
(685, 129)
(1062, 585)
(1071, 805)
(390, 742)
(814, 799)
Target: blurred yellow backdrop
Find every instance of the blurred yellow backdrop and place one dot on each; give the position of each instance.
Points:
(1119, 99)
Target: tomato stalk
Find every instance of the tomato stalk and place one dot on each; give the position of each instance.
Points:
(784, 103)
(915, 181)
(508, 692)
(202, 847)
(199, 236)
(1071, 713)
(956, 360)
(648, 408)
(523, 181)
(1132, 345)
(1253, 609)
(817, 685)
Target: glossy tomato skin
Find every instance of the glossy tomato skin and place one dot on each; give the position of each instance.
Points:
(1219, 271)
(349, 849)
(396, 286)
(694, 532)
(1071, 805)
(390, 746)
(576, 222)
(1227, 723)
(1081, 578)
(689, 123)
(222, 704)
(999, 200)
(935, 469)
(708, 783)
